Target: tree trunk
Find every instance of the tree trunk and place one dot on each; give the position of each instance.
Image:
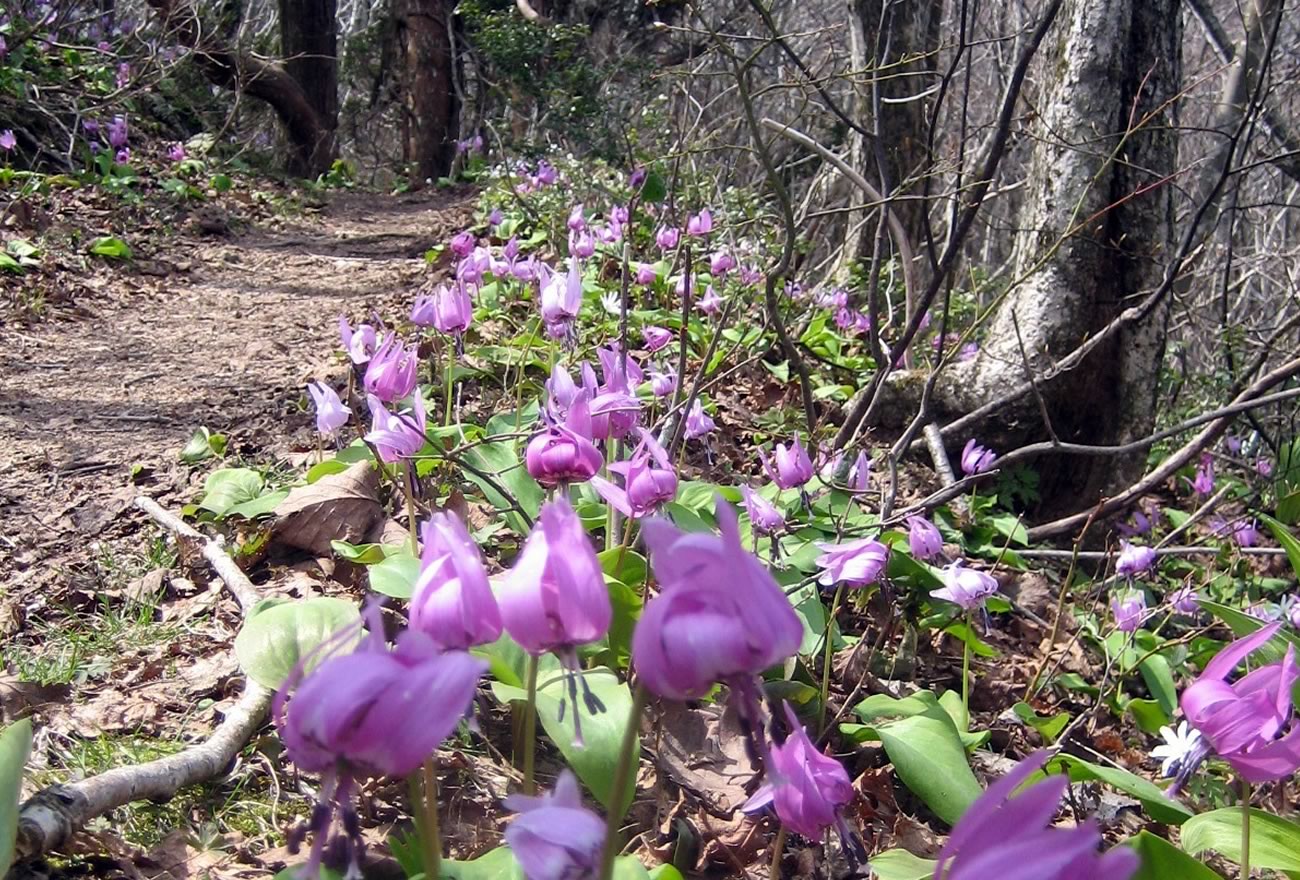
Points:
(430, 104)
(1097, 223)
(309, 43)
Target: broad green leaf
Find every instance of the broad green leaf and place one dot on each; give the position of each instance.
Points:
(1149, 714)
(885, 706)
(624, 565)
(1243, 624)
(1274, 842)
(497, 864)
(259, 506)
(396, 575)
(1161, 860)
(325, 468)
(1287, 540)
(229, 487)
(15, 746)
(1157, 804)
(110, 246)
(9, 264)
(899, 864)
(1048, 726)
(655, 188)
(1160, 681)
(203, 444)
(278, 634)
(361, 554)
(665, 872)
(602, 732)
(501, 465)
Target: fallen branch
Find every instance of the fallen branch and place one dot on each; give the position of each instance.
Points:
(50, 817)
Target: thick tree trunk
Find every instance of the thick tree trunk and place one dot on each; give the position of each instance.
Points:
(431, 108)
(309, 43)
(1098, 223)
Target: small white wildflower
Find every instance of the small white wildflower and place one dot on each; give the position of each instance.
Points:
(612, 302)
(1179, 746)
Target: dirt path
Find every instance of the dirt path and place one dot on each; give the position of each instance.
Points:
(228, 343)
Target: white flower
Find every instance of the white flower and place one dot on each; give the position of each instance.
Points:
(613, 302)
(1178, 748)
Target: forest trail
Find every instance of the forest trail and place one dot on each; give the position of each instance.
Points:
(96, 409)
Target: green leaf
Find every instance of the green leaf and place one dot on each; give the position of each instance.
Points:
(361, 554)
(8, 263)
(229, 487)
(1243, 624)
(110, 246)
(397, 574)
(221, 183)
(1274, 842)
(602, 732)
(899, 864)
(1160, 681)
(203, 444)
(497, 864)
(500, 462)
(1287, 540)
(325, 468)
(1158, 805)
(1161, 860)
(665, 872)
(1049, 727)
(15, 746)
(299, 872)
(1149, 714)
(259, 506)
(279, 633)
(655, 188)
(623, 565)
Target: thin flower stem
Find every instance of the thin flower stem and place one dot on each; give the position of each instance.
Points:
(451, 363)
(408, 489)
(965, 671)
(1245, 830)
(628, 758)
(826, 658)
(530, 727)
(429, 836)
(523, 365)
(778, 850)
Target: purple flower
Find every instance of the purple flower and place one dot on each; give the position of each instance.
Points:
(1245, 722)
(396, 435)
(581, 245)
(1204, 482)
(656, 337)
(564, 453)
(91, 127)
(1184, 600)
(923, 539)
(860, 473)
(1246, 534)
(390, 375)
(1129, 609)
(1264, 467)
(7, 139)
(808, 789)
(546, 173)
(750, 276)
(360, 344)
(118, 133)
(1009, 836)
(663, 384)
(576, 221)
(698, 423)
(965, 587)
(1141, 523)
(176, 152)
(452, 602)
(615, 409)
(495, 218)
(1133, 560)
(719, 616)
(123, 77)
(123, 156)
(561, 300)
(645, 274)
(462, 243)
(555, 836)
(667, 237)
(854, 564)
(423, 309)
(1233, 442)
(710, 304)
(4, 47)
(648, 480)
(721, 263)
(790, 467)
(471, 268)
(452, 309)
(331, 414)
(637, 178)
(968, 351)
(554, 598)
(764, 518)
(700, 224)
(975, 459)
(619, 215)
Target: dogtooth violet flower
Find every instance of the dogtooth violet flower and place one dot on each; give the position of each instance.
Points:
(561, 300)
(698, 423)
(860, 473)
(1129, 609)
(789, 468)
(1133, 559)
(546, 173)
(648, 480)
(372, 712)
(750, 276)
(656, 337)
(1008, 836)
(662, 384)
(452, 309)
(581, 245)
(719, 617)
(809, 790)
(360, 343)
(1184, 600)
(700, 224)
(390, 374)
(667, 237)
(645, 274)
(576, 222)
(720, 263)
(1203, 484)
(923, 539)
(854, 563)
(615, 408)
(423, 310)
(118, 132)
(554, 598)
(462, 243)
(710, 304)
(764, 518)
(1248, 723)
(396, 435)
(563, 453)
(331, 413)
(7, 139)
(555, 837)
(176, 152)
(965, 587)
(452, 602)
(975, 459)
(1264, 467)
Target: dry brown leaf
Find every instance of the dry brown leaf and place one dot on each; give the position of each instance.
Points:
(339, 507)
(703, 750)
(19, 698)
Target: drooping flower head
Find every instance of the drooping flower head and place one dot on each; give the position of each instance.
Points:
(452, 602)
(667, 237)
(923, 538)
(700, 224)
(790, 467)
(331, 413)
(1248, 723)
(649, 481)
(555, 837)
(720, 263)
(1264, 467)
(645, 274)
(662, 384)
(1134, 559)
(1008, 836)
(462, 243)
(975, 459)
(452, 309)
(1184, 600)
(860, 473)
(576, 222)
(710, 304)
(396, 435)
(698, 423)
(853, 563)
(118, 133)
(656, 337)
(764, 518)
(1203, 484)
(360, 343)
(176, 152)
(561, 300)
(965, 587)
(390, 374)
(1130, 609)
(563, 452)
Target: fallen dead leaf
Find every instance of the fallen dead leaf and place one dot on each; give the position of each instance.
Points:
(339, 507)
(703, 750)
(19, 698)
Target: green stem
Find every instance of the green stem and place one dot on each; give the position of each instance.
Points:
(628, 758)
(778, 850)
(530, 727)
(523, 365)
(451, 363)
(1245, 830)
(409, 490)
(965, 673)
(826, 657)
(429, 836)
